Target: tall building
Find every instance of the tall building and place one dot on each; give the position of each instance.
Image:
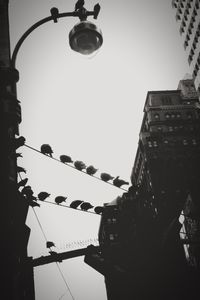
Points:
(142, 253)
(188, 19)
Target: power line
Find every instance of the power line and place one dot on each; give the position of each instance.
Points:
(71, 166)
(60, 271)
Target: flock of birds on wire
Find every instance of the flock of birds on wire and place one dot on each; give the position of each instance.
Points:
(46, 149)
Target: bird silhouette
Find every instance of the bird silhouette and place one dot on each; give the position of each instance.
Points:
(79, 4)
(50, 244)
(65, 159)
(99, 209)
(23, 182)
(119, 182)
(96, 10)
(60, 199)
(27, 191)
(79, 165)
(20, 170)
(91, 170)
(106, 177)
(76, 203)
(86, 205)
(17, 142)
(43, 195)
(46, 149)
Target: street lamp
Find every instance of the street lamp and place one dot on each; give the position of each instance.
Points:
(85, 38)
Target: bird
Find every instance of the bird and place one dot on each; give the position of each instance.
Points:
(20, 170)
(23, 182)
(86, 205)
(50, 244)
(43, 195)
(119, 182)
(96, 10)
(17, 142)
(60, 199)
(79, 165)
(33, 203)
(65, 159)
(79, 4)
(27, 191)
(46, 149)
(106, 177)
(91, 170)
(76, 203)
(99, 209)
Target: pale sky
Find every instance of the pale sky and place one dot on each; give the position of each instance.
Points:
(90, 109)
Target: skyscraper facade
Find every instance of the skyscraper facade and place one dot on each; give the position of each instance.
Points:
(188, 19)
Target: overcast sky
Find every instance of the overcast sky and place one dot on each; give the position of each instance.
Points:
(90, 109)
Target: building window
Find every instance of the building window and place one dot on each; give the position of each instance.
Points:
(149, 144)
(194, 142)
(167, 115)
(189, 115)
(178, 115)
(155, 144)
(157, 116)
(185, 142)
(171, 128)
(166, 142)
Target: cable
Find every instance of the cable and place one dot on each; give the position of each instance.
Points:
(73, 167)
(56, 262)
(65, 280)
(40, 225)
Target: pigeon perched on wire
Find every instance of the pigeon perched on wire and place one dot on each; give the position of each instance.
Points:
(65, 159)
(43, 195)
(79, 165)
(86, 205)
(46, 149)
(91, 170)
(79, 4)
(106, 177)
(99, 209)
(75, 203)
(23, 182)
(119, 182)
(50, 244)
(20, 170)
(27, 191)
(60, 199)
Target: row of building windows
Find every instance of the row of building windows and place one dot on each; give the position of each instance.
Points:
(197, 66)
(195, 41)
(173, 128)
(184, 142)
(172, 116)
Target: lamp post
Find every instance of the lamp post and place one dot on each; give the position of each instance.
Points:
(16, 267)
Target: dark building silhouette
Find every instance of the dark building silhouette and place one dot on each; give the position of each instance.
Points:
(145, 250)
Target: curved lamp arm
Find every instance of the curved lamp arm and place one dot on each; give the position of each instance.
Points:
(81, 14)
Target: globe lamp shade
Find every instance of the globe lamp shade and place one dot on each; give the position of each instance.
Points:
(85, 38)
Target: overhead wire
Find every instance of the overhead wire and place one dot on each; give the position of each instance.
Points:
(71, 166)
(59, 269)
